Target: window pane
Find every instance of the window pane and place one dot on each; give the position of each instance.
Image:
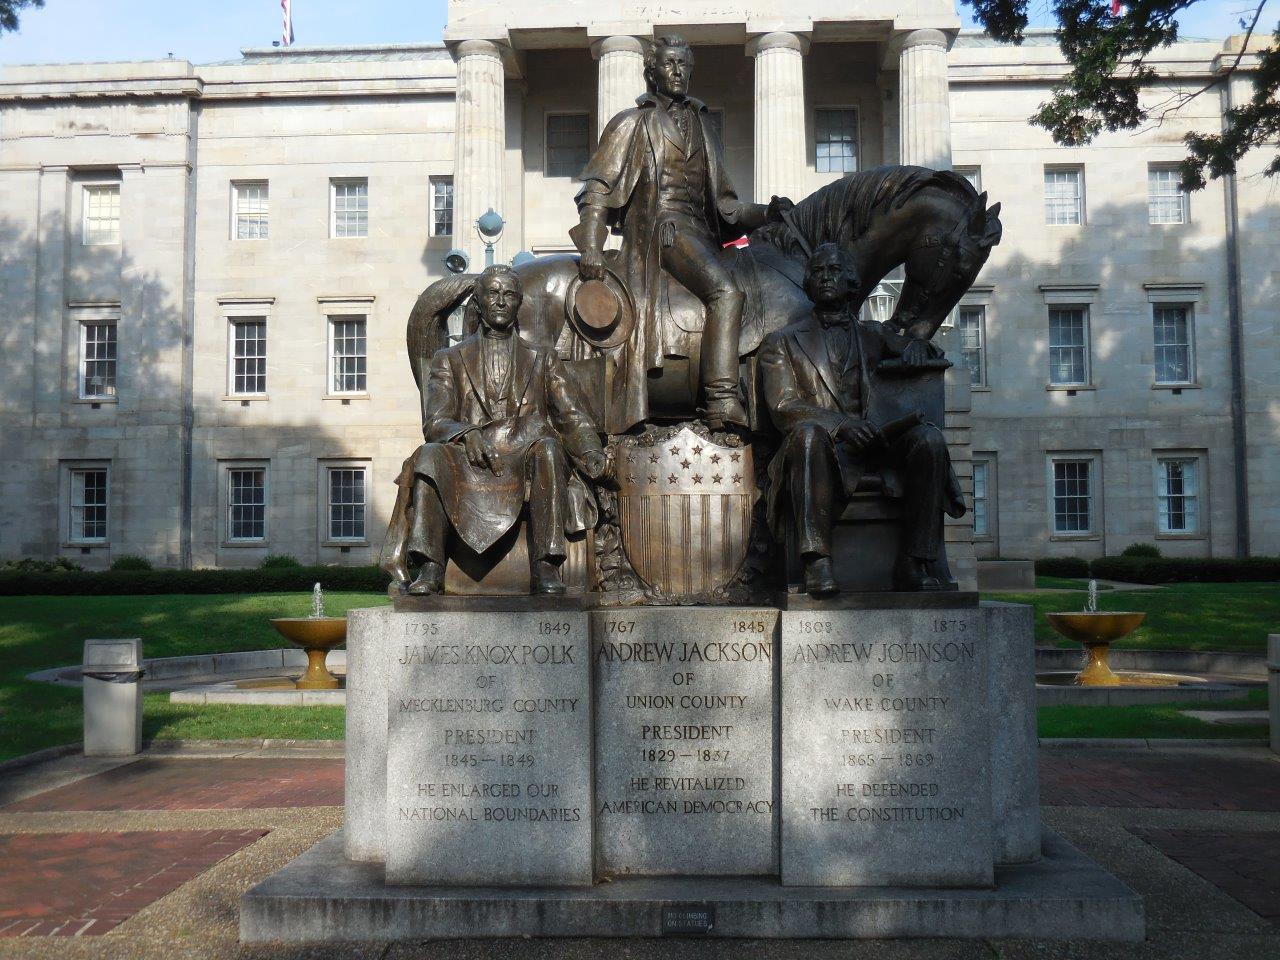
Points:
(249, 356)
(441, 206)
(836, 141)
(88, 505)
(98, 360)
(981, 524)
(251, 211)
(102, 214)
(971, 342)
(1166, 200)
(1071, 496)
(349, 352)
(567, 143)
(1177, 498)
(351, 208)
(973, 175)
(346, 503)
(1068, 346)
(247, 504)
(1062, 197)
(1172, 336)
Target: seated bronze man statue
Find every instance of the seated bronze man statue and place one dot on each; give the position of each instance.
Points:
(501, 420)
(818, 383)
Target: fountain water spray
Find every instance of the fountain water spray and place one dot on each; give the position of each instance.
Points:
(317, 602)
(1090, 604)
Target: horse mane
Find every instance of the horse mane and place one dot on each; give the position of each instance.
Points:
(842, 210)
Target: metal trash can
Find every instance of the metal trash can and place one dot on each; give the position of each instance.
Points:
(1273, 688)
(112, 671)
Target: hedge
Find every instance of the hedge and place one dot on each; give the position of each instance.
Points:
(121, 582)
(1185, 569)
(1062, 567)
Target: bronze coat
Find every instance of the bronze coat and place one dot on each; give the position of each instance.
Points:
(543, 402)
(802, 386)
(622, 176)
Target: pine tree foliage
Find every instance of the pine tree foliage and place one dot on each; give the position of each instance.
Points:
(9, 12)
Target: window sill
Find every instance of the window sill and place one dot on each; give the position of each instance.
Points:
(246, 398)
(1073, 537)
(244, 544)
(1061, 387)
(338, 544)
(979, 388)
(1175, 386)
(92, 401)
(1182, 536)
(346, 396)
(85, 544)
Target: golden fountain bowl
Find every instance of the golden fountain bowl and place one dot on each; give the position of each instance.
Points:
(316, 635)
(319, 633)
(1098, 627)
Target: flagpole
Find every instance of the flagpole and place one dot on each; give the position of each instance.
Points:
(286, 26)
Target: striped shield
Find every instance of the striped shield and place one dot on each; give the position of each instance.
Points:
(684, 512)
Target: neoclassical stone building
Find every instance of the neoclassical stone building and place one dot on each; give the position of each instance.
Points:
(205, 269)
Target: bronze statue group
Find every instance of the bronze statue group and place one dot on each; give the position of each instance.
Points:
(513, 429)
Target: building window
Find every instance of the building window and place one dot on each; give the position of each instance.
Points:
(247, 503)
(973, 342)
(1175, 357)
(249, 356)
(350, 202)
(1166, 200)
(973, 175)
(981, 498)
(568, 143)
(346, 503)
(250, 213)
(348, 354)
(1064, 196)
(88, 518)
(442, 206)
(101, 214)
(98, 360)
(835, 141)
(716, 119)
(1072, 496)
(1178, 495)
(1068, 346)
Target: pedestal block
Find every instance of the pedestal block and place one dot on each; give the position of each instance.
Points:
(685, 741)
(885, 746)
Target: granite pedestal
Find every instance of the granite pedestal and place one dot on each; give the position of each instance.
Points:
(864, 767)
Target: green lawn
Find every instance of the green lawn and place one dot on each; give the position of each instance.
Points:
(1161, 721)
(1181, 616)
(41, 632)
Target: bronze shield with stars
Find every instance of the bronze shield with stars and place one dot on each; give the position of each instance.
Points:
(684, 513)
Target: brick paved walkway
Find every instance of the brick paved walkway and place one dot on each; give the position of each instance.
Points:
(1103, 778)
(222, 784)
(1245, 866)
(85, 884)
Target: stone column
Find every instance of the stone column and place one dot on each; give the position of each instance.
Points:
(779, 115)
(479, 142)
(620, 78)
(924, 100)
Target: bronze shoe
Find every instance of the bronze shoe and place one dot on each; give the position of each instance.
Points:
(546, 578)
(430, 579)
(819, 577)
(913, 575)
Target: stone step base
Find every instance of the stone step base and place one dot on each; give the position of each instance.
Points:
(321, 896)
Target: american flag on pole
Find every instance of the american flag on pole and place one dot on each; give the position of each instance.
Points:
(286, 36)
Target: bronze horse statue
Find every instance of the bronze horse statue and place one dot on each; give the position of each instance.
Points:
(932, 223)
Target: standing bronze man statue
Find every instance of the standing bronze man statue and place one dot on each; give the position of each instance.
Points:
(818, 386)
(658, 178)
(501, 421)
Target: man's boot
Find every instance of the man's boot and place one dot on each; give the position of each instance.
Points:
(721, 384)
(819, 576)
(546, 578)
(430, 579)
(912, 573)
